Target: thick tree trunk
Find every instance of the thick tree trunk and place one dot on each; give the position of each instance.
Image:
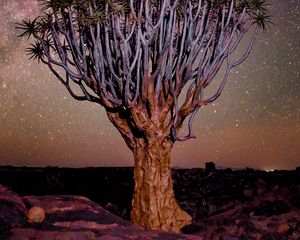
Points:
(154, 205)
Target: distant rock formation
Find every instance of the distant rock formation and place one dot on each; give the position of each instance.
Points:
(210, 167)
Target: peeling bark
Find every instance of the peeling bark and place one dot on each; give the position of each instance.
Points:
(154, 205)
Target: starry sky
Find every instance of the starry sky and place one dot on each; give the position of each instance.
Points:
(255, 123)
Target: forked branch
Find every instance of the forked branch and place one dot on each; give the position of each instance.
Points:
(140, 56)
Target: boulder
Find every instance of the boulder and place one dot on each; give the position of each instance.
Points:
(36, 215)
(113, 209)
(210, 167)
(283, 228)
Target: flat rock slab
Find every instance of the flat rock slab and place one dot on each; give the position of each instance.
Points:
(66, 208)
(78, 218)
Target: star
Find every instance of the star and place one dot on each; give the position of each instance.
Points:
(255, 123)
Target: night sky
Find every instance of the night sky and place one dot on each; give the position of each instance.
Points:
(255, 123)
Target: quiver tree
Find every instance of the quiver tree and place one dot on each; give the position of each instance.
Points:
(135, 58)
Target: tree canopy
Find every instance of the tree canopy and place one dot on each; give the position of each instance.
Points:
(136, 57)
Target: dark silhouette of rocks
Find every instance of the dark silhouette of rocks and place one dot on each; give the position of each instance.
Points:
(12, 211)
(210, 166)
(225, 204)
(270, 208)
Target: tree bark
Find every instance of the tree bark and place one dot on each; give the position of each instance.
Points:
(154, 205)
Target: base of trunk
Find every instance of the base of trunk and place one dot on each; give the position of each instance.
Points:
(171, 218)
(154, 205)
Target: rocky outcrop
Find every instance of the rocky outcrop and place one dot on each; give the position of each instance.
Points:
(244, 204)
(69, 217)
(12, 211)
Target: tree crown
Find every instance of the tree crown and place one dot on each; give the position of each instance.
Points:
(136, 57)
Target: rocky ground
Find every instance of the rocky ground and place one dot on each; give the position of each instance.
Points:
(225, 204)
(68, 218)
(246, 204)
